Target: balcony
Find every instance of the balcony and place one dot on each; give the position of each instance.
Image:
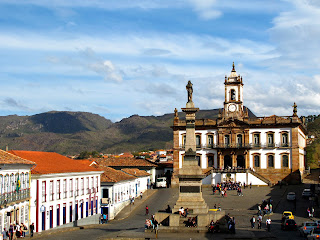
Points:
(12, 197)
(271, 145)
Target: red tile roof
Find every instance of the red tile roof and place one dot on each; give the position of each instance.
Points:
(51, 162)
(112, 175)
(135, 172)
(124, 162)
(9, 158)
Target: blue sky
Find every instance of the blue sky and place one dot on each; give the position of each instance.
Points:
(119, 58)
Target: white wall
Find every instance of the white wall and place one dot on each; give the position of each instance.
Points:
(91, 193)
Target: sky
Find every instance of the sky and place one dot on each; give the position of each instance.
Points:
(124, 57)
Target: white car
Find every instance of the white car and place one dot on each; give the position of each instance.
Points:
(291, 196)
(306, 193)
(161, 182)
(314, 234)
(307, 228)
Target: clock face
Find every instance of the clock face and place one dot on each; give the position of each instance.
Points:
(232, 108)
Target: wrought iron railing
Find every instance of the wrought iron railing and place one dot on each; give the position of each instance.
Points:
(10, 197)
(241, 145)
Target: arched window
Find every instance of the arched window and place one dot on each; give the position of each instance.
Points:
(284, 140)
(256, 139)
(198, 141)
(239, 140)
(285, 161)
(27, 180)
(233, 95)
(6, 183)
(270, 139)
(227, 140)
(256, 161)
(270, 161)
(210, 141)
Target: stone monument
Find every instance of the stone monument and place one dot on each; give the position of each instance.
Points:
(190, 175)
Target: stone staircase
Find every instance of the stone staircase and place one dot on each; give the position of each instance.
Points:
(262, 178)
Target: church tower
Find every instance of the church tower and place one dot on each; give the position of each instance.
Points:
(233, 102)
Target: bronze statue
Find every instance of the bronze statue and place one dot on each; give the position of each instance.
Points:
(190, 91)
(295, 110)
(175, 112)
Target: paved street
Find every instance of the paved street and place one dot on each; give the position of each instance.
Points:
(242, 208)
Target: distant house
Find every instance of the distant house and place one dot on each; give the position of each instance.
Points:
(119, 186)
(15, 189)
(63, 190)
(120, 163)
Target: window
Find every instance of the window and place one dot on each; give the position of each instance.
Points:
(97, 183)
(270, 161)
(232, 95)
(44, 196)
(26, 214)
(183, 141)
(27, 180)
(51, 191)
(227, 140)
(82, 186)
(256, 139)
(210, 160)
(77, 187)
(88, 190)
(21, 215)
(198, 141)
(256, 161)
(284, 140)
(198, 158)
(6, 183)
(285, 161)
(239, 140)
(64, 188)
(270, 139)
(210, 141)
(71, 188)
(92, 184)
(1, 183)
(58, 190)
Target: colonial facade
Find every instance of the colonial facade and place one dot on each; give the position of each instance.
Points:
(15, 190)
(257, 150)
(63, 190)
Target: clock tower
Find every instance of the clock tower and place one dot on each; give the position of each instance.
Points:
(233, 102)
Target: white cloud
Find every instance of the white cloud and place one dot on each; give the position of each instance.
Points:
(206, 9)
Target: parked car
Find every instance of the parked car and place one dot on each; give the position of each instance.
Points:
(306, 193)
(161, 182)
(314, 234)
(291, 196)
(307, 228)
(287, 215)
(288, 224)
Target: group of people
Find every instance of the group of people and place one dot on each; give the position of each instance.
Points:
(191, 222)
(183, 212)
(214, 227)
(231, 223)
(104, 218)
(310, 212)
(17, 231)
(255, 220)
(151, 223)
(266, 207)
(229, 185)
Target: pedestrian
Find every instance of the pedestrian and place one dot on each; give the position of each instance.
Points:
(270, 208)
(312, 211)
(132, 200)
(140, 195)
(31, 229)
(147, 210)
(259, 224)
(5, 234)
(252, 221)
(250, 185)
(268, 223)
(259, 209)
(309, 212)
(104, 218)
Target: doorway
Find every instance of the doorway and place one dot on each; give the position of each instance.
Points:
(227, 161)
(240, 161)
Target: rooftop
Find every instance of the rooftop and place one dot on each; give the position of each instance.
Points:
(9, 158)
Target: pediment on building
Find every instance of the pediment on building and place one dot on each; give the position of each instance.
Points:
(232, 123)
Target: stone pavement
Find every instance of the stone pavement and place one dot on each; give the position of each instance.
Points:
(242, 208)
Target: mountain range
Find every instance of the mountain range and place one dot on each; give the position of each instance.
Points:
(73, 132)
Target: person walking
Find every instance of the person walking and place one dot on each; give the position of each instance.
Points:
(31, 229)
(268, 223)
(252, 221)
(4, 234)
(147, 210)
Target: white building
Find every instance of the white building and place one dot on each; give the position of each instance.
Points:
(15, 189)
(63, 190)
(238, 146)
(119, 186)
